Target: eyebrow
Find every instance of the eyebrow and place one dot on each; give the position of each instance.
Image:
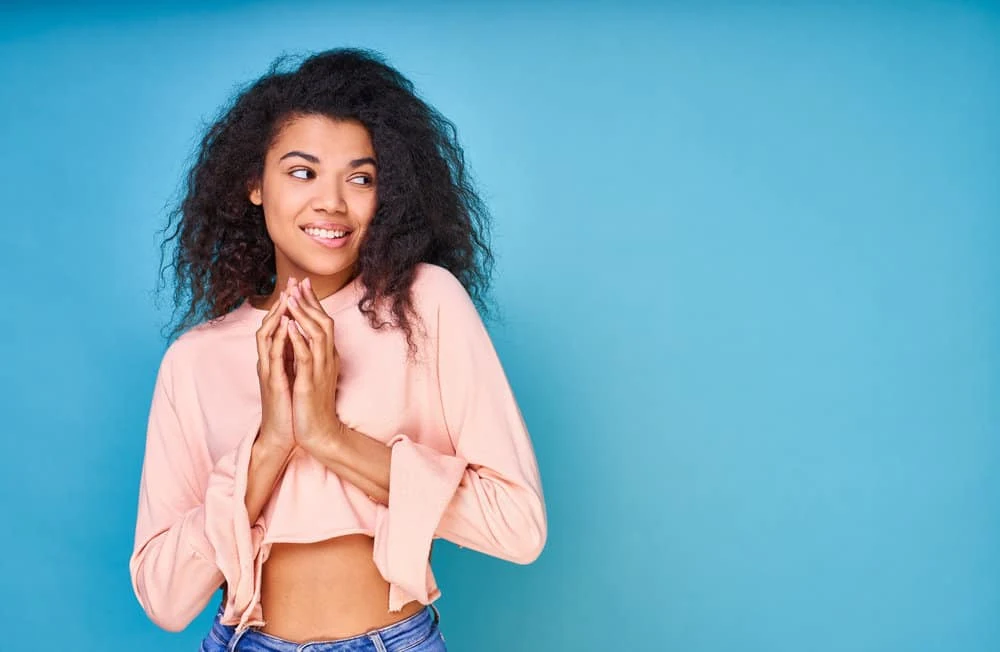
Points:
(358, 162)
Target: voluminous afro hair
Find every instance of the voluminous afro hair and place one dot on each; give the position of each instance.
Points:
(428, 209)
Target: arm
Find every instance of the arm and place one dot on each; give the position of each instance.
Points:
(193, 528)
(358, 459)
(487, 496)
(366, 463)
(267, 465)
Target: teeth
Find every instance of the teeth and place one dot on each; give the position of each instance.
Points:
(323, 233)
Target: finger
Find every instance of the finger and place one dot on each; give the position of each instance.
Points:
(313, 329)
(269, 325)
(277, 354)
(307, 292)
(329, 352)
(266, 332)
(314, 308)
(309, 311)
(303, 354)
(319, 336)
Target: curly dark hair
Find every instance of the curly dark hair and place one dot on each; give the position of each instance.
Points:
(428, 209)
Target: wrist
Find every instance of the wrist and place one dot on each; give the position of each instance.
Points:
(272, 445)
(329, 446)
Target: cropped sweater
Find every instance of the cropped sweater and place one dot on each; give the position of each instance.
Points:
(462, 466)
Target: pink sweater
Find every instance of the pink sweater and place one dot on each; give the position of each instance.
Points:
(463, 466)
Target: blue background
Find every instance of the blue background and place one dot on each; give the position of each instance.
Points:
(749, 277)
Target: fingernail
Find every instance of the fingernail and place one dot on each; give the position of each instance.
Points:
(307, 282)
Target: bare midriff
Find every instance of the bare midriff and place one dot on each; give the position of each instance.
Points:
(326, 590)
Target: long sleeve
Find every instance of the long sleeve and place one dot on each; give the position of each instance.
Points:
(192, 527)
(488, 495)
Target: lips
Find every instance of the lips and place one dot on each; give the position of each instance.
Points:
(330, 243)
(329, 226)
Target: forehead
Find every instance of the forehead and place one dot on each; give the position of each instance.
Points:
(326, 138)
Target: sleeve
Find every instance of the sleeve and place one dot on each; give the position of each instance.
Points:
(192, 528)
(488, 495)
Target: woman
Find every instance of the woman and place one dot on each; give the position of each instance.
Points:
(336, 403)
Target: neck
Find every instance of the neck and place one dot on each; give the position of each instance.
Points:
(323, 286)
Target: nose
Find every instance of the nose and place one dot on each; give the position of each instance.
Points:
(329, 198)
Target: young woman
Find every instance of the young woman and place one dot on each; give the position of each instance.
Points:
(334, 402)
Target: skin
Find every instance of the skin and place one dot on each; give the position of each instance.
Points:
(327, 589)
(323, 185)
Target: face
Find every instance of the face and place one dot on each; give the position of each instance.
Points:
(318, 195)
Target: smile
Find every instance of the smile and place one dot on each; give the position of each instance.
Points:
(327, 238)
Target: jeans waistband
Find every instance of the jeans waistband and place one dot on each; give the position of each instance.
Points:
(396, 635)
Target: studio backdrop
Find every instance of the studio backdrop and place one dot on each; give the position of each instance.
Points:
(748, 292)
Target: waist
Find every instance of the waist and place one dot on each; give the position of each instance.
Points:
(404, 634)
(327, 589)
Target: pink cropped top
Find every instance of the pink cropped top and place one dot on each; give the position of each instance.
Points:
(462, 468)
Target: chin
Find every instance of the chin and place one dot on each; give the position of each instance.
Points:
(329, 265)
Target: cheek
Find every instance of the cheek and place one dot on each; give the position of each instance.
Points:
(366, 212)
(280, 208)
(280, 225)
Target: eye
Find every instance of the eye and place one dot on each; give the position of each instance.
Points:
(363, 177)
(305, 173)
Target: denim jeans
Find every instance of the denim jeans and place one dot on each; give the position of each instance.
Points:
(418, 633)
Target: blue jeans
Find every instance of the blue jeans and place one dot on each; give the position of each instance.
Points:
(418, 633)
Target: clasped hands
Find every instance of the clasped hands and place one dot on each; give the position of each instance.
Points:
(298, 372)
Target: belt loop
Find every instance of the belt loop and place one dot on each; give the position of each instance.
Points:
(437, 614)
(377, 641)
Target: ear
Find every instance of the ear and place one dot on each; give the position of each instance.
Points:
(254, 193)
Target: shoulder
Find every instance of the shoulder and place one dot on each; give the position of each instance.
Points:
(203, 343)
(435, 288)
(441, 298)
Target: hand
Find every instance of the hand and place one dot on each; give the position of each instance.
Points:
(314, 392)
(274, 371)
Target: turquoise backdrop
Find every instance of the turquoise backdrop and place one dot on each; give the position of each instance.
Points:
(749, 275)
